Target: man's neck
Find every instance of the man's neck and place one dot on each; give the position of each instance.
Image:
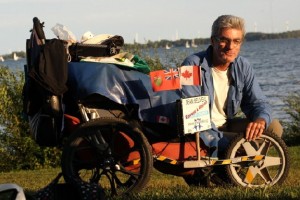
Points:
(222, 67)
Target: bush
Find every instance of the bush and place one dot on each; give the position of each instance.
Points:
(17, 149)
(153, 61)
(292, 128)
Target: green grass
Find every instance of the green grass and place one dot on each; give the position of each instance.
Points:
(162, 186)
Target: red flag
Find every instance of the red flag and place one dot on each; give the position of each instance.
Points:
(165, 80)
(190, 75)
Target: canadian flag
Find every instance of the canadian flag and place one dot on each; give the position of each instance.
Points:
(190, 75)
(162, 119)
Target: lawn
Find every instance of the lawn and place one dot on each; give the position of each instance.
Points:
(162, 186)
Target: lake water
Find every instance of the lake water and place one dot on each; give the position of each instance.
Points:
(276, 62)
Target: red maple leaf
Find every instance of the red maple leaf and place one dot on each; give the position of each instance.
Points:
(186, 74)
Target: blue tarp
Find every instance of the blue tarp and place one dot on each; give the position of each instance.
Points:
(123, 85)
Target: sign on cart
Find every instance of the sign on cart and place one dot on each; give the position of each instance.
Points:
(195, 114)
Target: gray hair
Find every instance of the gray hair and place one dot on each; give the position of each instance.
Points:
(227, 21)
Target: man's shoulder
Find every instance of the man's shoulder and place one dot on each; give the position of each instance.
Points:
(242, 60)
(242, 66)
(194, 59)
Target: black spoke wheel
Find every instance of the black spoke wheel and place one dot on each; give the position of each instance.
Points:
(272, 169)
(110, 152)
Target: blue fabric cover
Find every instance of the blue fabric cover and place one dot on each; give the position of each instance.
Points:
(125, 85)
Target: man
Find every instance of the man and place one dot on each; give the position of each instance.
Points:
(230, 82)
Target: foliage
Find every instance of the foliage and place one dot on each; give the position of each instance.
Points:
(155, 59)
(268, 36)
(292, 128)
(153, 62)
(17, 149)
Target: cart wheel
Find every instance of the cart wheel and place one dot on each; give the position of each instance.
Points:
(273, 169)
(110, 152)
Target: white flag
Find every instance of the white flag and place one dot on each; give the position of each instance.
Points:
(190, 75)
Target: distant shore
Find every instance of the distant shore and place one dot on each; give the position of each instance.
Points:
(251, 36)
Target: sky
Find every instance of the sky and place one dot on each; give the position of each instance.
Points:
(140, 20)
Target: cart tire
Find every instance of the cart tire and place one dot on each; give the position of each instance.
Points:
(271, 170)
(110, 152)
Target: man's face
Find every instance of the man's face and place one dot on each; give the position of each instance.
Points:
(226, 46)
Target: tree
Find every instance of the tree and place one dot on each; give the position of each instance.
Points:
(17, 149)
(292, 128)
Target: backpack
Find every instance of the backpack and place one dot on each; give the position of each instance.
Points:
(45, 84)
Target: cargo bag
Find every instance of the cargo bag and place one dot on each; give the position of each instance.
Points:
(45, 84)
(109, 47)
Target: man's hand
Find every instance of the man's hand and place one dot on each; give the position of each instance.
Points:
(255, 129)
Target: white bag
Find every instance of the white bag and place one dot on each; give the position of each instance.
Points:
(63, 33)
(11, 191)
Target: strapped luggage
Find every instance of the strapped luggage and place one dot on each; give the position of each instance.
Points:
(108, 47)
(46, 76)
(45, 84)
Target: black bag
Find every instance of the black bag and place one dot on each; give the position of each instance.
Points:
(45, 84)
(109, 47)
(51, 70)
(46, 123)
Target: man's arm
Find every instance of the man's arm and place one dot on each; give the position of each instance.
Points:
(254, 103)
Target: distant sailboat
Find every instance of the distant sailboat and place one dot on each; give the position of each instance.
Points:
(15, 57)
(193, 44)
(187, 45)
(1, 59)
(167, 46)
